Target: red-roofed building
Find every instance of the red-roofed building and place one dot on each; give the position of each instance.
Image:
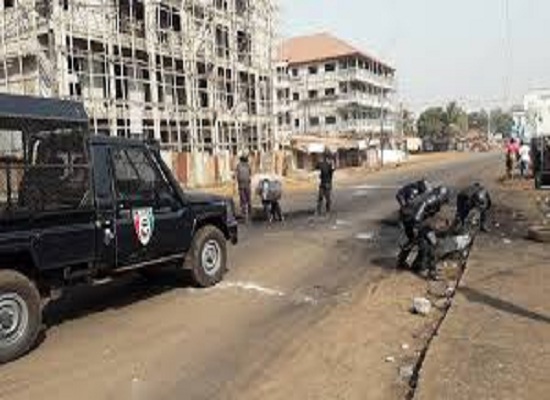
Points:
(327, 87)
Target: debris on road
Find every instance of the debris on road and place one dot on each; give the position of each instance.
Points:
(442, 304)
(421, 306)
(405, 346)
(390, 359)
(406, 372)
(506, 241)
(450, 291)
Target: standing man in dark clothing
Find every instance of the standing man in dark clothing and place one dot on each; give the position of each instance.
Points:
(326, 168)
(243, 175)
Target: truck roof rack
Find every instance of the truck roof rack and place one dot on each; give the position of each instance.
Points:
(41, 109)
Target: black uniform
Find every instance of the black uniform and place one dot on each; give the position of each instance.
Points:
(473, 197)
(405, 196)
(326, 168)
(414, 217)
(409, 192)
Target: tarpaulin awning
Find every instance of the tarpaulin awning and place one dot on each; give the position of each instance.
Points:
(315, 145)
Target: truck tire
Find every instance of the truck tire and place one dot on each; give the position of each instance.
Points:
(20, 315)
(207, 258)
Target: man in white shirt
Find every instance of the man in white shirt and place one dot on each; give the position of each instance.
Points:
(524, 159)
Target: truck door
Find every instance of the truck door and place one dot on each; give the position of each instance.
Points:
(151, 223)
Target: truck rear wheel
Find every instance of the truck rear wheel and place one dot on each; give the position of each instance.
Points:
(207, 257)
(20, 315)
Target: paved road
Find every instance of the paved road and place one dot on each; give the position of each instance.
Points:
(131, 339)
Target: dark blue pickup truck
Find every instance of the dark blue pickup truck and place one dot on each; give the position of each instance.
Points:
(77, 208)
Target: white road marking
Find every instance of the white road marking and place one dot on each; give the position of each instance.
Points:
(360, 193)
(256, 288)
(364, 236)
(251, 287)
(376, 187)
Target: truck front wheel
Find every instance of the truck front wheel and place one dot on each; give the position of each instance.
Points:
(20, 315)
(207, 258)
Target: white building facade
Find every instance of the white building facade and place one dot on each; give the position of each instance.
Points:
(325, 87)
(537, 113)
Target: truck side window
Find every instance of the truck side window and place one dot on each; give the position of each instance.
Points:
(137, 179)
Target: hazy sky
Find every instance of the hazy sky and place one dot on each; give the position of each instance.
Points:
(443, 49)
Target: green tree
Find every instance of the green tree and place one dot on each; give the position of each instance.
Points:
(502, 122)
(455, 119)
(479, 120)
(431, 123)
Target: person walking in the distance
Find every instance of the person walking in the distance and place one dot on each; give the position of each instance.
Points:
(326, 169)
(243, 175)
(524, 159)
(512, 154)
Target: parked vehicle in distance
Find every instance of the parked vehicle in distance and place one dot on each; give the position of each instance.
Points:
(77, 208)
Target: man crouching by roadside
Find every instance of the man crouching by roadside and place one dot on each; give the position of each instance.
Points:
(474, 197)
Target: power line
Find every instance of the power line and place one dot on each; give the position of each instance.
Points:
(508, 71)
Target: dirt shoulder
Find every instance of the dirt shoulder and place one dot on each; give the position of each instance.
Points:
(495, 340)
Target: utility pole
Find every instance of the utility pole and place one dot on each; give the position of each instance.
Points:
(382, 141)
(489, 125)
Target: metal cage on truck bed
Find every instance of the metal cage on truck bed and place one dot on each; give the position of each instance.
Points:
(44, 161)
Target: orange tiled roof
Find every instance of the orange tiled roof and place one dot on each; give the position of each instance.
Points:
(318, 47)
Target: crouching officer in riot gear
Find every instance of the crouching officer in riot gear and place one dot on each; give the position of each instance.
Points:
(473, 197)
(409, 192)
(414, 218)
(405, 196)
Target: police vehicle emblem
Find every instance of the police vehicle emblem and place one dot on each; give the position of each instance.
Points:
(144, 224)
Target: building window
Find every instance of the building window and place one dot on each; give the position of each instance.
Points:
(343, 87)
(313, 70)
(9, 3)
(294, 71)
(330, 67)
(344, 64)
(296, 123)
(296, 96)
(312, 94)
(314, 121)
(330, 92)
(330, 120)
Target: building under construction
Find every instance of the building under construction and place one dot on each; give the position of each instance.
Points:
(194, 74)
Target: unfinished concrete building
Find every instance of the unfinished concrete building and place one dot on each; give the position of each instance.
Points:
(194, 74)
